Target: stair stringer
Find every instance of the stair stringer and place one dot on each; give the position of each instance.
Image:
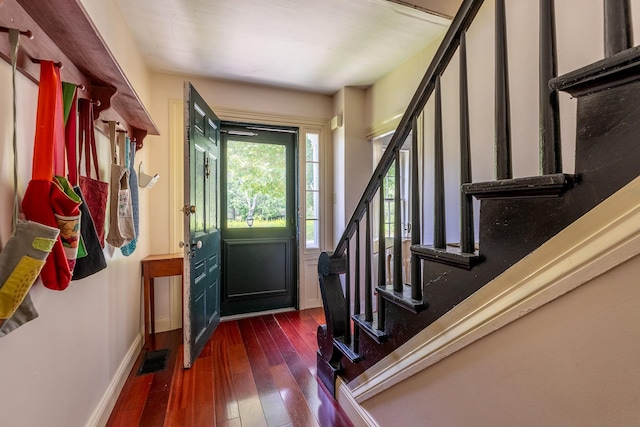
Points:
(602, 239)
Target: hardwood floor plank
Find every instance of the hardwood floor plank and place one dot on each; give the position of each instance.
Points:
(300, 344)
(294, 399)
(268, 346)
(244, 386)
(226, 404)
(203, 404)
(272, 405)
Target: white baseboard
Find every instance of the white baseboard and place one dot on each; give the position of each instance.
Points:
(356, 413)
(102, 412)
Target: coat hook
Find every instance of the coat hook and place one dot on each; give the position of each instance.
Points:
(96, 103)
(26, 33)
(38, 61)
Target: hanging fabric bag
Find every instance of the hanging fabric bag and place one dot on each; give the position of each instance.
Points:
(121, 229)
(130, 154)
(94, 191)
(25, 253)
(70, 105)
(45, 200)
(90, 256)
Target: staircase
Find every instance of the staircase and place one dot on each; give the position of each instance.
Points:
(516, 215)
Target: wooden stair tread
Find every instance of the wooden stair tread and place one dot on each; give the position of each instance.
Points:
(347, 350)
(402, 299)
(617, 70)
(449, 256)
(371, 328)
(520, 188)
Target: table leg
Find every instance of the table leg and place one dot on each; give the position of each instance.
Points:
(146, 289)
(152, 306)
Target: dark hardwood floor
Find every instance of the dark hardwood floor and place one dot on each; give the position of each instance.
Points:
(258, 371)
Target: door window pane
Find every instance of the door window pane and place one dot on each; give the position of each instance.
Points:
(256, 185)
(200, 165)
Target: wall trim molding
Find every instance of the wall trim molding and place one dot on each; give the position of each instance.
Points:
(605, 237)
(236, 114)
(384, 126)
(102, 412)
(356, 413)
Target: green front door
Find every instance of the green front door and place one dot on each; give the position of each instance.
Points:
(258, 218)
(201, 301)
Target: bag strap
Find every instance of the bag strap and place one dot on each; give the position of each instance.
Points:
(45, 134)
(112, 141)
(70, 97)
(14, 40)
(87, 138)
(123, 154)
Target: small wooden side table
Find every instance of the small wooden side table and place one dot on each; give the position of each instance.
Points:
(157, 266)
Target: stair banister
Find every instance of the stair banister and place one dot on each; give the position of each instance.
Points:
(441, 59)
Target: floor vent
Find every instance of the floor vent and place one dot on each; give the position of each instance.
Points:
(154, 361)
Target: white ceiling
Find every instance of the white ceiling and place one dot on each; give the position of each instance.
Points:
(313, 45)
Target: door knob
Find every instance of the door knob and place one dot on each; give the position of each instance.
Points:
(188, 209)
(181, 244)
(199, 244)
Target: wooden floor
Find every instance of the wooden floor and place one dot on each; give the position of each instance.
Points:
(253, 372)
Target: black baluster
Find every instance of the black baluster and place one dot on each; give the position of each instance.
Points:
(368, 291)
(416, 285)
(356, 291)
(550, 146)
(618, 30)
(397, 230)
(440, 228)
(467, 236)
(382, 250)
(347, 295)
(503, 119)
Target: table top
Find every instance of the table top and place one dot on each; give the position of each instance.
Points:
(163, 257)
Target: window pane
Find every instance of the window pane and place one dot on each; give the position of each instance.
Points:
(312, 147)
(312, 233)
(256, 185)
(200, 163)
(312, 187)
(313, 176)
(313, 199)
(213, 200)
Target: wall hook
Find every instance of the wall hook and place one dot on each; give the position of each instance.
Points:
(144, 180)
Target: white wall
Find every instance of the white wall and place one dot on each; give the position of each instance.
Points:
(570, 362)
(57, 369)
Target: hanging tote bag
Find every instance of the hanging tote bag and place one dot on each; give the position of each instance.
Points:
(94, 191)
(45, 200)
(70, 105)
(121, 228)
(90, 256)
(130, 153)
(25, 253)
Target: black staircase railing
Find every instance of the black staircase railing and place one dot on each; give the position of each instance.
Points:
(390, 283)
